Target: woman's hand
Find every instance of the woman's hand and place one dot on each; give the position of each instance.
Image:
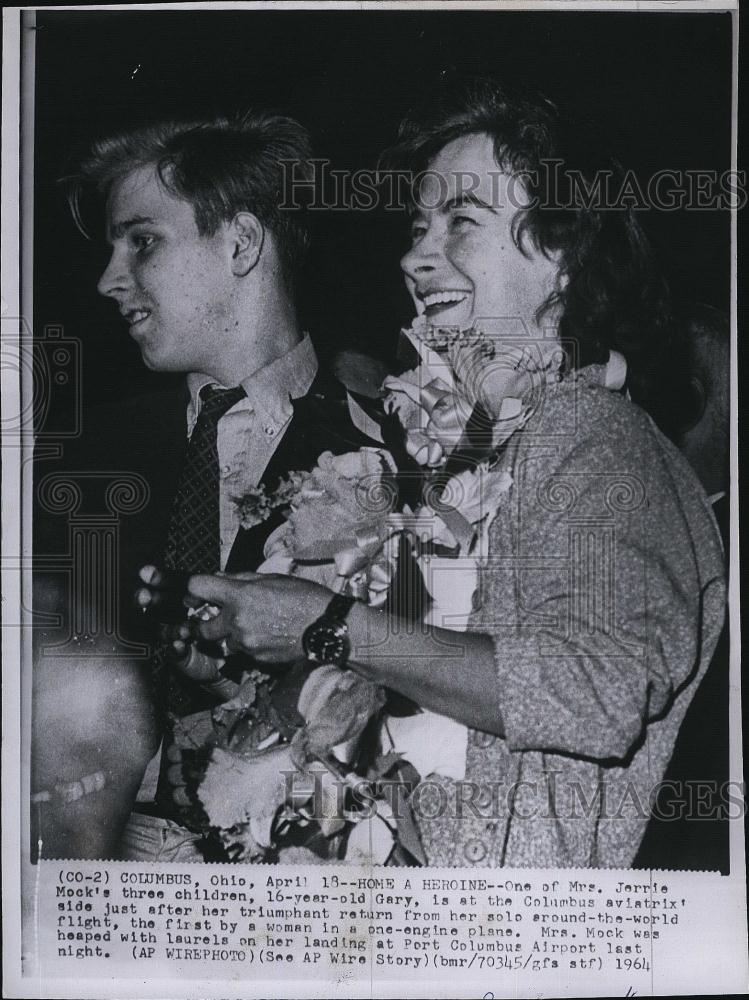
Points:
(262, 614)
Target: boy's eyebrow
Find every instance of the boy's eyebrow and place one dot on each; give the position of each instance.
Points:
(118, 229)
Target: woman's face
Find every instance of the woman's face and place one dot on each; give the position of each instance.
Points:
(463, 268)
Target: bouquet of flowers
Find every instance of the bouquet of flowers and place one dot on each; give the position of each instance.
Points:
(328, 734)
(282, 770)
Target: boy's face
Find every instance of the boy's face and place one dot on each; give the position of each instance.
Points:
(173, 286)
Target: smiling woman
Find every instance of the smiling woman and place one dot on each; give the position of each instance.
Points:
(464, 265)
(512, 179)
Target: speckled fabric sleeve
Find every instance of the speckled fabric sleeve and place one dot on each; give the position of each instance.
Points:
(603, 590)
(604, 595)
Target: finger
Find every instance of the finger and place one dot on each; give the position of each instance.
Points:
(175, 777)
(270, 654)
(178, 649)
(145, 598)
(191, 774)
(173, 753)
(215, 629)
(244, 575)
(151, 575)
(181, 798)
(222, 648)
(212, 588)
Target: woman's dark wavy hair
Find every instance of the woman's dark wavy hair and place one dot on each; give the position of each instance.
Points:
(221, 166)
(613, 297)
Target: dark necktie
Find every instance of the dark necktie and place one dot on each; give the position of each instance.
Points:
(193, 546)
(194, 542)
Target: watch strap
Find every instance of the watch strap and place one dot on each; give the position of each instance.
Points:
(339, 607)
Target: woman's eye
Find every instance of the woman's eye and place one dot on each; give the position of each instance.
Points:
(458, 221)
(417, 232)
(143, 241)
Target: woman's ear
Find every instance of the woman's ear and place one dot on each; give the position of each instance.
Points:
(247, 235)
(690, 408)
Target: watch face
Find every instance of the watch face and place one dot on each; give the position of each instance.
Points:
(327, 642)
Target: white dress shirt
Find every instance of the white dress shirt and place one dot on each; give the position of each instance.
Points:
(250, 432)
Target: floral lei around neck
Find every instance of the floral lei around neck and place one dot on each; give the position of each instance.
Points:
(293, 767)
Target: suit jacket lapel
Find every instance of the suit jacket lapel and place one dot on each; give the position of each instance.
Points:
(320, 422)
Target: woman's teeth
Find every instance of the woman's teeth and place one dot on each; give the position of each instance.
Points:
(434, 299)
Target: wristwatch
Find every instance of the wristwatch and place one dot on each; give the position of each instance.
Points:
(327, 640)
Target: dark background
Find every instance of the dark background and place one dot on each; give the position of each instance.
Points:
(658, 85)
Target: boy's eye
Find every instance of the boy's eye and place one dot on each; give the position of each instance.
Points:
(417, 231)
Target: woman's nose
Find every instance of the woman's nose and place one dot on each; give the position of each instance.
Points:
(421, 258)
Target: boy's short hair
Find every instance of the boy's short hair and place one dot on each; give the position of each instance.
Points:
(221, 166)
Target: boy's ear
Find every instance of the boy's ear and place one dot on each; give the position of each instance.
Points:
(247, 235)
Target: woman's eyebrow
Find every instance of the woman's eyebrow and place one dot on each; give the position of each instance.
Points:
(464, 199)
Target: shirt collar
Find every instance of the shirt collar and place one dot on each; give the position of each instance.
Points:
(270, 389)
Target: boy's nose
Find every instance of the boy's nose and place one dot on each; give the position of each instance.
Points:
(115, 278)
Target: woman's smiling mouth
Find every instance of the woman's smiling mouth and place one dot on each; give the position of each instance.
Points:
(434, 303)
